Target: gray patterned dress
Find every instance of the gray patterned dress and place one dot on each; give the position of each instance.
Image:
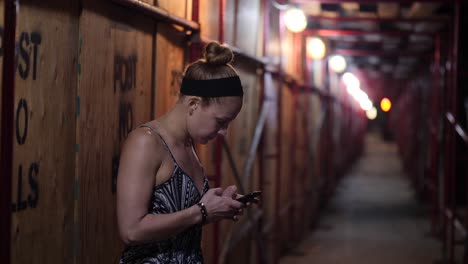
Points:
(176, 194)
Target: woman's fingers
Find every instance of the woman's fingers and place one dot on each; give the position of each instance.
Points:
(230, 191)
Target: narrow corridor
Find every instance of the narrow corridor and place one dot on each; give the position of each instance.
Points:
(374, 217)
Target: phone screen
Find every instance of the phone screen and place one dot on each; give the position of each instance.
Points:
(251, 197)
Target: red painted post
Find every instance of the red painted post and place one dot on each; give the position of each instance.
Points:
(7, 120)
(222, 12)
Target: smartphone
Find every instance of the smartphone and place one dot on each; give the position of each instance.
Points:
(250, 198)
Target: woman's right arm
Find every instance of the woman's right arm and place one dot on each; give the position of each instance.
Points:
(139, 161)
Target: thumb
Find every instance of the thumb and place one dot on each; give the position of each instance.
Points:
(230, 191)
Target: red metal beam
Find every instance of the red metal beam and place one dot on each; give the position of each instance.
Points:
(381, 53)
(222, 13)
(346, 32)
(377, 19)
(373, 1)
(7, 120)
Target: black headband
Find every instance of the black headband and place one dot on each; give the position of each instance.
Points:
(230, 86)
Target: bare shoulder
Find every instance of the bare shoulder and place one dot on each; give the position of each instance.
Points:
(143, 138)
(142, 145)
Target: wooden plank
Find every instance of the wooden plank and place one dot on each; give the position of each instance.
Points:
(170, 48)
(42, 220)
(115, 89)
(270, 164)
(177, 8)
(209, 19)
(286, 162)
(240, 137)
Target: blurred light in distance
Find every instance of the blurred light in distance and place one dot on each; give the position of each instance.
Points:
(372, 113)
(350, 80)
(361, 96)
(338, 63)
(385, 104)
(295, 20)
(352, 90)
(366, 105)
(316, 48)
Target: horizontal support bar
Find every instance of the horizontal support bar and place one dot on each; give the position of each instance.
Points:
(158, 13)
(348, 32)
(242, 54)
(378, 53)
(378, 19)
(372, 1)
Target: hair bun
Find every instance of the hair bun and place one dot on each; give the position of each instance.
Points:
(217, 54)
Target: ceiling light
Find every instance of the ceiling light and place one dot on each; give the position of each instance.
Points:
(316, 48)
(295, 20)
(338, 63)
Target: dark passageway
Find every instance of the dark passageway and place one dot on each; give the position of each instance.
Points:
(373, 218)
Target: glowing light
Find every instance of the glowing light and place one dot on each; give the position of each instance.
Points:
(352, 90)
(295, 20)
(316, 48)
(372, 113)
(385, 104)
(350, 80)
(338, 63)
(361, 96)
(366, 105)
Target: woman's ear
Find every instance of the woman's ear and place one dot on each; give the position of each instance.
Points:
(193, 103)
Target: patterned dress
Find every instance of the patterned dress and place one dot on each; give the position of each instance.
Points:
(176, 194)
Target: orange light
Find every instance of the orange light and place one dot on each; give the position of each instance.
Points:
(385, 104)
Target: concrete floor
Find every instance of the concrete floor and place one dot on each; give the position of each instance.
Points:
(372, 219)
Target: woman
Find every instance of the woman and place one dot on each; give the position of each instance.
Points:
(163, 198)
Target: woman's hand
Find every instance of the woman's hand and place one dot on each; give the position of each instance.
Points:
(220, 204)
(231, 192)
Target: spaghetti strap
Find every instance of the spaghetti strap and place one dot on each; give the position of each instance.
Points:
(164, 142)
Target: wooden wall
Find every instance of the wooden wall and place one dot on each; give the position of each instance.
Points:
(115, 93)
(44, 143)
